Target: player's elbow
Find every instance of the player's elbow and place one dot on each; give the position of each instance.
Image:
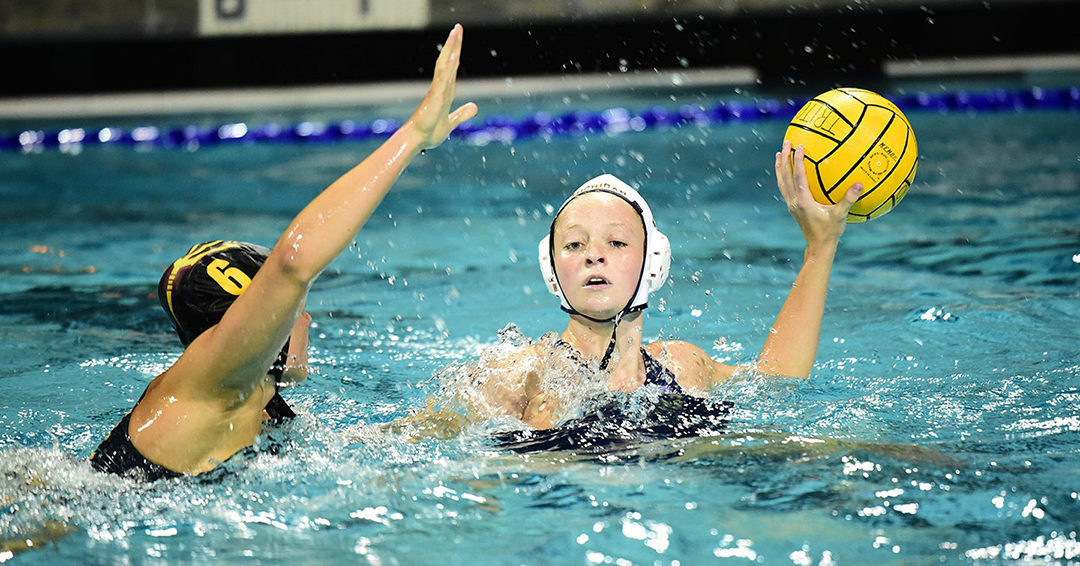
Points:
(294, 264)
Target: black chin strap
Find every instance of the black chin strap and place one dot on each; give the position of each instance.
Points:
(611, 345)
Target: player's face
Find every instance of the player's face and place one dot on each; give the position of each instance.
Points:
(599, 249)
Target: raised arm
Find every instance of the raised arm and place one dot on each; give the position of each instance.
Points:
(231, 358)
(792, 342)
(791, 345)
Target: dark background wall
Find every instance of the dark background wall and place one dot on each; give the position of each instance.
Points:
(98, 46)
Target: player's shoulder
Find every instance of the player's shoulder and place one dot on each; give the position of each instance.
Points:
(694, 369)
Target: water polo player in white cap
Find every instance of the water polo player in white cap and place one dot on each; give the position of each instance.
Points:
(235, 305)
(602, 257)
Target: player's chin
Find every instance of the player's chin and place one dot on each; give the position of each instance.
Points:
(600, 313)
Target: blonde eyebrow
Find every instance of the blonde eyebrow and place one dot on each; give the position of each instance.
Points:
(607, 225)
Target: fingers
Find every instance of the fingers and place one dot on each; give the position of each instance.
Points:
(450, 60)
(780, 170)
(784, 176)
(432, 119)
(537, 406)
(852, 196)
(446, 68)
(536, 401)
(444, 79)
(532, 384)
(799, 166)
(451, 51)
(463, 114)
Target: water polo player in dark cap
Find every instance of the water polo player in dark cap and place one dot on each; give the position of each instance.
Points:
(197, 289)
(239, 309)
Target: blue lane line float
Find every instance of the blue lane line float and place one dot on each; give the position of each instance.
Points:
(506, 129)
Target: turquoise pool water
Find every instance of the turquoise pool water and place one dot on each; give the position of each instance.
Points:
(940, 424)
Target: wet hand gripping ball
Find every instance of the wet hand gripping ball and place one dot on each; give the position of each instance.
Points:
(851, 135)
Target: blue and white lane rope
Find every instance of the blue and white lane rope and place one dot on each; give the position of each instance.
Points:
(507, 129)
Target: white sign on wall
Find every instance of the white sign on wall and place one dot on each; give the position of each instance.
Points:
(243, 17)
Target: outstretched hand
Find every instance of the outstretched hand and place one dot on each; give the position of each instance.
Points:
(432, 120)
(821, 224)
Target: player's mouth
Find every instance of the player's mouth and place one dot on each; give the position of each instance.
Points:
(596, 282)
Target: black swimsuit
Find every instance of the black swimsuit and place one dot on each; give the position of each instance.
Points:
(613, 426)
(117, 455)
(660, 376)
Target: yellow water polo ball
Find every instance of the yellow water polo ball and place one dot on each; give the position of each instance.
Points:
(851, 135)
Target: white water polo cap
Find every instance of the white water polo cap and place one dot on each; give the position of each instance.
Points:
(654, 270)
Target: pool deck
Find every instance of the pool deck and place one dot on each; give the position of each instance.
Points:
(330, 96)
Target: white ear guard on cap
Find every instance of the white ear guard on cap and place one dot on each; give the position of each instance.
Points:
(657, 247)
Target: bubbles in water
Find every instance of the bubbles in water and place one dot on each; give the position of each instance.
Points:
(493, 386)
(935, 314)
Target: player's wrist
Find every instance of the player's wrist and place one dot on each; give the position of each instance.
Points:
(821, 250)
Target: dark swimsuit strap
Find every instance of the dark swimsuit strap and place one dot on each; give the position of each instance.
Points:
(277, 409)
(655, 372)
(660, 376)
